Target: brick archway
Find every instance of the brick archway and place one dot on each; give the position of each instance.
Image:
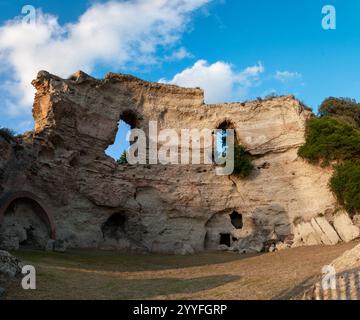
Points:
(10, 197)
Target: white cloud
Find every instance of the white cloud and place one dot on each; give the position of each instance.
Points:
(285, 76)
(179, 54)
(219, 80)
(114, 33)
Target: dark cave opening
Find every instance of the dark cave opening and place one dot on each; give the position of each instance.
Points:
(225, 239)
(31, 240)
(236, 219)
(24, 225)
(115, 226)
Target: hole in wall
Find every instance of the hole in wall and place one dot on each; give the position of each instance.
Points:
(225, 239)
(115, 226)
(236, 220)
(73, 162)
(24, 225)
(31, 239)
(221, 138)
(120, 144)
(128, 120)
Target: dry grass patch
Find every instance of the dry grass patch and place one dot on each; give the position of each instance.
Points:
(212, 275)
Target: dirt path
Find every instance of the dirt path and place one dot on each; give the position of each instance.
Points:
(216, 275)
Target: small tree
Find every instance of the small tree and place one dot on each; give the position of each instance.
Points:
(122, 159)
(7, 134)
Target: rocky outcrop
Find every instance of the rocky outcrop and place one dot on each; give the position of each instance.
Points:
(345, 227)
(10, 267)
(328, 231)
(97, 203)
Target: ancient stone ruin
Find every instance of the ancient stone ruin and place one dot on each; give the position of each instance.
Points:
(56, 182)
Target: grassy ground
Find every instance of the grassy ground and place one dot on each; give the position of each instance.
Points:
(214, 275)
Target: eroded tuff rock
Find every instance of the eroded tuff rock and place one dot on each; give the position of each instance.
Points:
(97, 203)
(10, 267)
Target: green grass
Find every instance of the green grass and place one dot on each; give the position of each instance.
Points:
(85, 274)
(88, 274)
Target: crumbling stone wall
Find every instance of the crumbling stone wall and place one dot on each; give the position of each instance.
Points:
(172, 208)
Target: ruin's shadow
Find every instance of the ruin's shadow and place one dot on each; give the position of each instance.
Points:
(296, 292)
(150, 288)
(124, 262)
(115, 288)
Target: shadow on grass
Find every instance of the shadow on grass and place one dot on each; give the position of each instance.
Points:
(147, 289)
(122, 262)
(296, 292)
(76, 286)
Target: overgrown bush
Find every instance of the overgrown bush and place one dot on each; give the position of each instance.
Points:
(242, 162)
(328, 139)
(122, 159)
(345, 183)
(345, 109)
(7, 134)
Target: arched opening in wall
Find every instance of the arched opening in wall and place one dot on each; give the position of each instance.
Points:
(128, 121)
(24, 225)
(236, 219)
(218, 230)
(115, 227)
(221, 138)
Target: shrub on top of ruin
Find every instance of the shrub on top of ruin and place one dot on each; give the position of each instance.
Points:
(328, 139)
(7, 134)
(344, 109)
(122, 160)
(242, 162)
(345, 183)
(271, 96)
(333, 140)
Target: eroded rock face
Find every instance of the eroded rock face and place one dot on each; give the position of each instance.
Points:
(97, 203)
(10, 267)
(345, 227)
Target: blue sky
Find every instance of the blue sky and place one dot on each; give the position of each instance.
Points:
(253, 47)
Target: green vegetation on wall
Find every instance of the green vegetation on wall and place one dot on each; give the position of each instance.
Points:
(242, 162)
(334, 139)
(344, 109)
(345, 183)
(328, 139)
